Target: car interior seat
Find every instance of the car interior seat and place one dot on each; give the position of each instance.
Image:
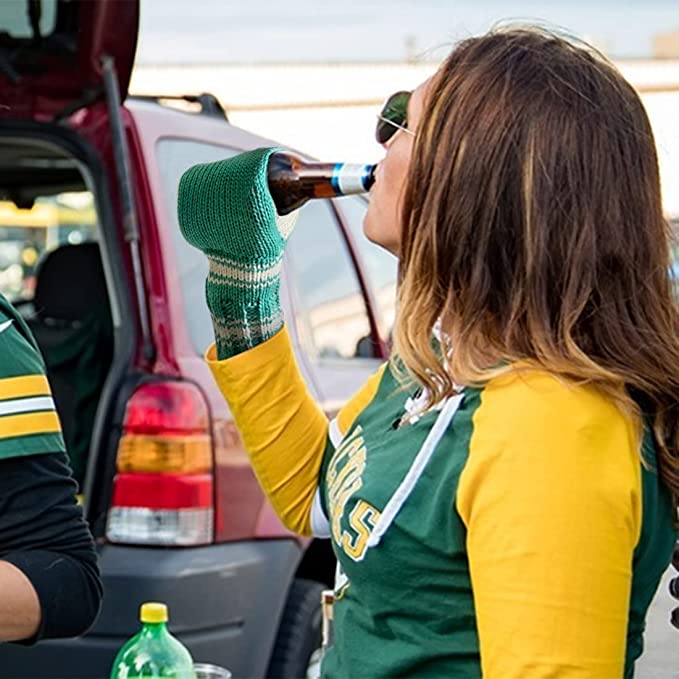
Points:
(72, 324)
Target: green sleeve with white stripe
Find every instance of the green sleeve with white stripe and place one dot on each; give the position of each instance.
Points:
(29, 423)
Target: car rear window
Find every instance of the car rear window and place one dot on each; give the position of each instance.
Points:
(15, 20)
(29, 233)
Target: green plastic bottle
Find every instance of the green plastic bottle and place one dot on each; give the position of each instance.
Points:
(153, 653)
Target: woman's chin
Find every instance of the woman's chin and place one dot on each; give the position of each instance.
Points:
(380, 237)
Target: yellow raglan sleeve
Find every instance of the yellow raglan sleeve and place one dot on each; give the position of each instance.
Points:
(551, 498)
(283, 429)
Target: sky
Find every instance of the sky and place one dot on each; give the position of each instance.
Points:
(256, 31)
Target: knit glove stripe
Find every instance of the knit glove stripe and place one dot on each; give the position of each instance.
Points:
(228, 272)
(237, 327)
(241, 334)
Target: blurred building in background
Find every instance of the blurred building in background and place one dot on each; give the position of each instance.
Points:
(666, 45)
(328, 109)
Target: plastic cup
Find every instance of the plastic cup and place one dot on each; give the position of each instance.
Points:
(207, 671)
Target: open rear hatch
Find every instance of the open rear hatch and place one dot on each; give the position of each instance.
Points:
(58, 56)
(51, 53)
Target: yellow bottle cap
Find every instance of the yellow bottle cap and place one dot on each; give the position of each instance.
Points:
(152, 611)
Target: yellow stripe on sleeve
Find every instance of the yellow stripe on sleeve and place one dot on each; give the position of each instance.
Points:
(551, 498)
(24, 386)
(284, 431)
(28, 424)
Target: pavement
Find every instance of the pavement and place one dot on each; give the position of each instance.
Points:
(661, 656)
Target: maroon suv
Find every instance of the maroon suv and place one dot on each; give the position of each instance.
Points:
(91, 254)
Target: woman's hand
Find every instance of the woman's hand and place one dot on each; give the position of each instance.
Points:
(225, 209)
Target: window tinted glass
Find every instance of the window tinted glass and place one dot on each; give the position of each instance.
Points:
(330, 304)
(382, 266)
(14, 18)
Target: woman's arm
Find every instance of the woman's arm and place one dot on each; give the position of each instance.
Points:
(284, 431)
(226, 211)
(551, 497)
(49, 578)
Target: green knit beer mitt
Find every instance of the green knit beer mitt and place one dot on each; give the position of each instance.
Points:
(225, 209)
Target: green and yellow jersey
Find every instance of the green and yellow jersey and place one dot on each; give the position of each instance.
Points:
(514, 531)
(29, 423)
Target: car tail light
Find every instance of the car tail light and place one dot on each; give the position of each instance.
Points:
(163, 489)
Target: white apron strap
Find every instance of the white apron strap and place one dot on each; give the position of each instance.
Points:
(401, 494)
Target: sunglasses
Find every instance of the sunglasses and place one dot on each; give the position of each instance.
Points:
(393, 117)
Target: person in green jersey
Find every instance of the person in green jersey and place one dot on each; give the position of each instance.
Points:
(500, 496)
(49, 578)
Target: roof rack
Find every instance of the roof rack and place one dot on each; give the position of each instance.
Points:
(209, 104)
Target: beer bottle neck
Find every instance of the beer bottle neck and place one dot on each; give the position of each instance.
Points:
(293, 181)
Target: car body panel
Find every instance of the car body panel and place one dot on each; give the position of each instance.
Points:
(224, 603)
(225, 598)
(65, 66)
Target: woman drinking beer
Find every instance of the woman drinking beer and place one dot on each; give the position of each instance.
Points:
(500, 495)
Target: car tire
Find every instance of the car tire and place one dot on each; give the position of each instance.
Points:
(299, 634)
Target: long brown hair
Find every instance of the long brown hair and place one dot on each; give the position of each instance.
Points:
(533, 227)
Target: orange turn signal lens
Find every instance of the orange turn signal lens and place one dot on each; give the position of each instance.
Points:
(188, 454)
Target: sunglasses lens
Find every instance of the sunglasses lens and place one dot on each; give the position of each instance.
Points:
(393, 115)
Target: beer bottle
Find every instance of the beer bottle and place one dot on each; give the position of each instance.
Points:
(293, 180)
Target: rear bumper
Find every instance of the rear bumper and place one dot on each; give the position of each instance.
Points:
(225, 603)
